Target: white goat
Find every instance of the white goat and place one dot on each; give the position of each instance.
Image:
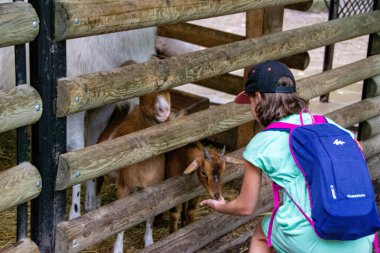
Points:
(87, 55)
(153, 109)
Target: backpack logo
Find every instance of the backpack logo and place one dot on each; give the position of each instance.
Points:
(338, 142)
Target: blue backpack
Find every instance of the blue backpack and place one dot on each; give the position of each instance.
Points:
(340, 189)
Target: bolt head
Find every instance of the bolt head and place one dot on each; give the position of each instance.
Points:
(76, 21)
(35, 24)
(38, 184)
(77, 174)
(77, 99)
(37, 107)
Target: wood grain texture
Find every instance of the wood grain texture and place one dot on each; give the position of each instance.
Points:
(373, 86)
(100, 159)
(16, 23)
(22, 246)
(104, 157)
(99, 17)
(92, 227)
(370, 128)
(18, 185)
(203, 231)
(97, 89)
(371, 146)
(19, 106)
(208, 37)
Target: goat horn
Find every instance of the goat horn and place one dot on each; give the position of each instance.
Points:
(207, 155)
(222, 153)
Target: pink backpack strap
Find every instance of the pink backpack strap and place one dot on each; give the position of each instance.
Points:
(281, 126)
(319, 119)
(276, 204)
(376, 243)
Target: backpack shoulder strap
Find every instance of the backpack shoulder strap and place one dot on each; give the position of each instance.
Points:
(280, 126)
(319, 119)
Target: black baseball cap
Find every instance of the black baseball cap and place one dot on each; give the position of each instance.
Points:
(263, 77)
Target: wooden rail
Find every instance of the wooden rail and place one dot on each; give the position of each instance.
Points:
(92, 227)
(18, 185)
(90, 17)
(373, 86)
(208, 37)
(371, 146)
(97, 89)
(22, 246)
(19, 106)
(18, 23)
(95, 226)
(78, 166)
(370, 128)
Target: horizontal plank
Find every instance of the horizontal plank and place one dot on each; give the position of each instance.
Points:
(98, 89)
(81, 165)
(373, 86)
(22, 246)
(228, 83)
(337, 78)
(18, 185)
(208, 37)
(356, 112)
(19, 106)
(94, 226)
(370, 128)
(19, 23)
(371, 146)
(90, 17)
(203, 231)
(300, 6)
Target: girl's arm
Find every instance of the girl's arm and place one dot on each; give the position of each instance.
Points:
(248, 198)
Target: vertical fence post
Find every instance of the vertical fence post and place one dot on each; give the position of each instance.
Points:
(22, 140)
(373, 48)
(47, 63)
(329, 50)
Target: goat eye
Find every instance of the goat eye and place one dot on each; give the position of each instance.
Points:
(203, 174)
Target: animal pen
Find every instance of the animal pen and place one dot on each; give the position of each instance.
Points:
(50, 97)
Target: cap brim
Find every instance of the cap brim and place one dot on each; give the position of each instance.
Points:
(242, 98)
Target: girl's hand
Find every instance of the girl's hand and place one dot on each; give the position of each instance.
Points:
(213, 203)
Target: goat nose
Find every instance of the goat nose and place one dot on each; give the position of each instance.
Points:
(217, 195)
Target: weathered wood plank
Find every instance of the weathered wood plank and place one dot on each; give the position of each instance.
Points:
(228, 83)
(97, 89)
(18, 185)
(301, 6)
(337, 78)
(92, 227)
(18, 23)
(357, 112)
(203, 231)
(78, 166)
(19, 106)
(373, 86)
(370, 128)
(22, 246)
(371, 146)
(90, 17)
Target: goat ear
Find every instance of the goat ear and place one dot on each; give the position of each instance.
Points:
(234, 160)
(196, 164)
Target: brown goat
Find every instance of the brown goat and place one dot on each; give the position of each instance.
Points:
(152, 110)
(210, 167)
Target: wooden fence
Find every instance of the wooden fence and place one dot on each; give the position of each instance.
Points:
(55, 97)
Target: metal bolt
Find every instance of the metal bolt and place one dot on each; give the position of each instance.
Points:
(76, 21)
(75, 243)
(37, 108)
(38, 184)
(77, 174)
(77, 99)
(34, 24)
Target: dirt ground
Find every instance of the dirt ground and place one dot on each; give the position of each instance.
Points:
(345, 52)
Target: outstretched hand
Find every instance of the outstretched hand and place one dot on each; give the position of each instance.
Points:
(213, 203)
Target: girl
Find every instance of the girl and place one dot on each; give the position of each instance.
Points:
(271, 92)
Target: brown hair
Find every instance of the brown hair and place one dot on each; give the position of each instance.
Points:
(274, 106)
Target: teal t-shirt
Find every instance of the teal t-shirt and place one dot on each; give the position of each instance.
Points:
(269, 151)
